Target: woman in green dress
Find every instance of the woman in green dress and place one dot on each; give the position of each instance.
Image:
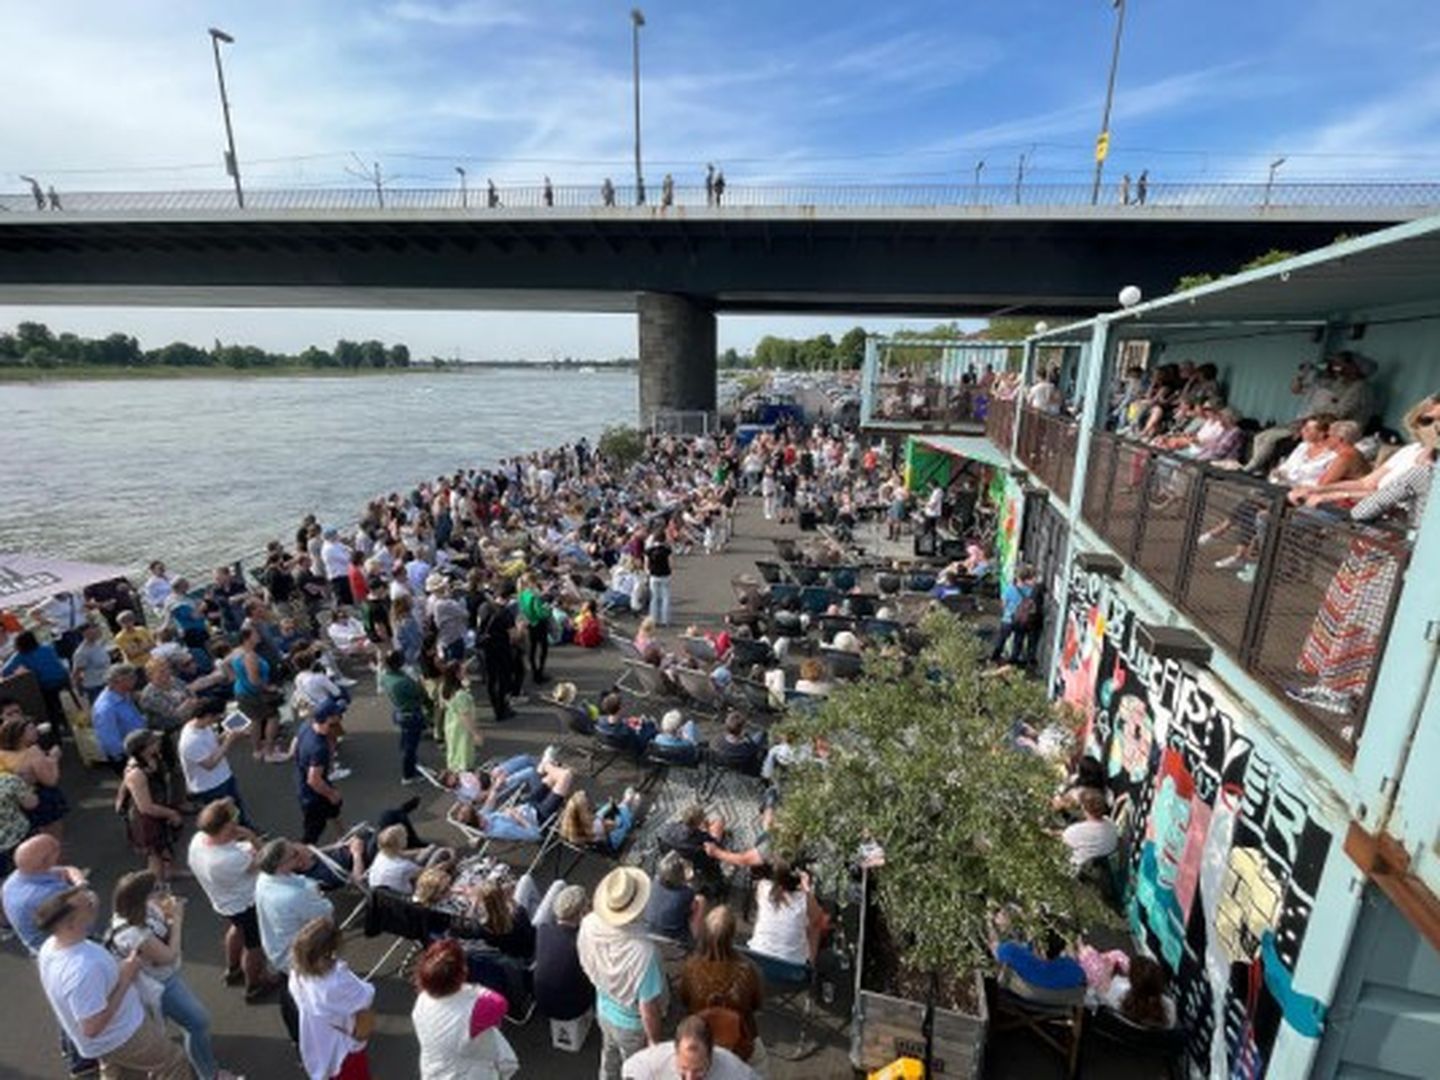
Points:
(462, 730)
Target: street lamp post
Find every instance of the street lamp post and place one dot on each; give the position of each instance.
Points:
(1102, 144)
(232, 163)
(1020, 176)
(464, 192)
(637, 20)
(1270, 180)
(979, 168)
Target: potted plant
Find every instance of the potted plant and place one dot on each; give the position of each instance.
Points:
(920, 761)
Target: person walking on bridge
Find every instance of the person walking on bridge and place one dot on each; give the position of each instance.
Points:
(549, 193)
(710, 185)
(667, 191)
(1125, 190)
(607, 193)
(719, 186)
(1142, 187)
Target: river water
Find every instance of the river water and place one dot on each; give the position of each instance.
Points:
(203, 471)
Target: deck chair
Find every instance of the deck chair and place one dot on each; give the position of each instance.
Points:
(788, 984)
(754, 696)
(783, 592)
(626, 646)
(804, 574)
(746, 652)
(700, 648)
(844, 578)
(700, 690)
(356, 913)
(644, 681)
(880, 629)
(745, 589)
(840, 663)
(830, 625)
(862, 605)
(919, 581)
(579, 738)
(1165, 1046)
(771, 572)
(816, 599)
(1055, 1017)
(787, 548)
(412, 925)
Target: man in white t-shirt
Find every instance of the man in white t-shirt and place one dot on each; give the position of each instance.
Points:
(94, 997)
(1095, 837)
(335, 558)
(202, 750)
(223, 860)
(692, 1053)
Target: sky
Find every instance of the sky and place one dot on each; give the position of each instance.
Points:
(106, 96)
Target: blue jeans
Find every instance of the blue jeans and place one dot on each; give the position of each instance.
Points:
(228, 790)
(660, 599)
(411, 730)
(624, 821)
(180, 1004)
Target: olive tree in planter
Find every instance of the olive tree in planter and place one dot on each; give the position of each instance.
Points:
(921, 761)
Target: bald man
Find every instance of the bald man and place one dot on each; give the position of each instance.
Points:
(37, 877)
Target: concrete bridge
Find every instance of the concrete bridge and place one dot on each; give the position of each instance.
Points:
(940, 251)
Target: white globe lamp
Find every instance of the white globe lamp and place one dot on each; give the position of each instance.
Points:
(1130, 296)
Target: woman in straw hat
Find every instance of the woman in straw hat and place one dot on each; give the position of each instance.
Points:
(624, 966)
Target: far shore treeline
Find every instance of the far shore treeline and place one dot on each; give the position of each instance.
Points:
(33, 345)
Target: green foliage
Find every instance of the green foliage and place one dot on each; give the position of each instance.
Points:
(1270, 258)
(730, 360)
(1194, 281)
(920, 762)
(623, 446)
(1009, 328)
(33, 344)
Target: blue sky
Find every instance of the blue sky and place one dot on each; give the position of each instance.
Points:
(105, 95)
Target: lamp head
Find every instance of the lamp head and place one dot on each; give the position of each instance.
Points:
(637, 16)
(221, 35)
(1130, 296)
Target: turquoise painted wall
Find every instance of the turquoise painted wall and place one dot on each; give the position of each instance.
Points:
(1406, 345)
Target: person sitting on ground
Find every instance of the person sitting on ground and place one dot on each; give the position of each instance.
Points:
(788, 919)
(1089, 775)
(396, 867)
(738, 749)
(562, 989)
(674, 910)
(1096, 836)
(678, 738)
(693, 1052)
(21, 754)
(606, 829)
(645, 635)
(715, 979)
(347, 635)
(589, 627)
(457, 1022)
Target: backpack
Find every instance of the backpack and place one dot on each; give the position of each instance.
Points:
(1027, 611)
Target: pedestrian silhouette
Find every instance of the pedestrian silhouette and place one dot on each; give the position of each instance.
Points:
(1142, 186)
(54, 197)
(36, 193)
(709, 185)
(719, 186)
(492, 197)
(1125, 190)
(549, 193)
(607, 192)
(667, 191)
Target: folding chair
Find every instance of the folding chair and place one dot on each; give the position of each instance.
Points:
(661, 759)
(626, 646)
(358, 911)
(413, 926)
(783, 592)
(746, 652)
(754, 696)
(699, 648)
(844, 578)
(880, 629)
(644, 681)
(770, 571)
(840, 663)
(862, 605)
(804, 574)
(830, 625)
(745, 590)
(816, 599)
(1166, 1045)
(700, 690)
(787, 981)
(919, 581)
(1055, 1017)
(786, 547)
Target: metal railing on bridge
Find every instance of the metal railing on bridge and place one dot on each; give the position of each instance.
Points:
(1303, 600)
(928, 404)
(1406, 196)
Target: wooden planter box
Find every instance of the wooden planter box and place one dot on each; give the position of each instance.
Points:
(884, 1028)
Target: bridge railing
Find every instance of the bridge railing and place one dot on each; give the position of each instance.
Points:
(1400, 195)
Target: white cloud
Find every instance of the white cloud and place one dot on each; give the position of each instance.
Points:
(468, 14)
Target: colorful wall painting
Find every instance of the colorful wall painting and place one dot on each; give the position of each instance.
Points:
(1008, 498)
(1221, 854)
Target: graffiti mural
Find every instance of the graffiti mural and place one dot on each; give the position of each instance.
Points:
(1008, 498)
(1222, 856)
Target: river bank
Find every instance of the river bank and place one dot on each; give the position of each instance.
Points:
(100, 373)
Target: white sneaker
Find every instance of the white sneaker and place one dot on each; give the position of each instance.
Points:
(1203, 539)
(339, 772)
(1247, 572)
(1229, 562)
(344, 680)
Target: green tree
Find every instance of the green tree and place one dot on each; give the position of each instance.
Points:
(622, 446)
(730, 359)
(398, 356)
(33, 335)
(850, 352)
(920, 761)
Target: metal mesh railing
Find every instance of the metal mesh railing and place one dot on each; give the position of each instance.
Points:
(1047, 447)
(1402, 196)
(904, 401)
(1000, 422)
(1301, 599)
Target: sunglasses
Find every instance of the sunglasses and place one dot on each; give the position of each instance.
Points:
(1426, 420)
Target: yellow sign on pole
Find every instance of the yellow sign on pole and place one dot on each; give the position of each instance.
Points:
(1102, 146)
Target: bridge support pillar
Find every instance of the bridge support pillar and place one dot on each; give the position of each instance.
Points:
(677, 355)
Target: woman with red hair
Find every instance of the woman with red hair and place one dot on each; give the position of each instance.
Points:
(458, 1025)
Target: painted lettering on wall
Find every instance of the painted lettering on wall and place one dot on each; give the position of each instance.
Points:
(1221, 854)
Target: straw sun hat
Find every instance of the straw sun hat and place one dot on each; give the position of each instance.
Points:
(621, 896)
